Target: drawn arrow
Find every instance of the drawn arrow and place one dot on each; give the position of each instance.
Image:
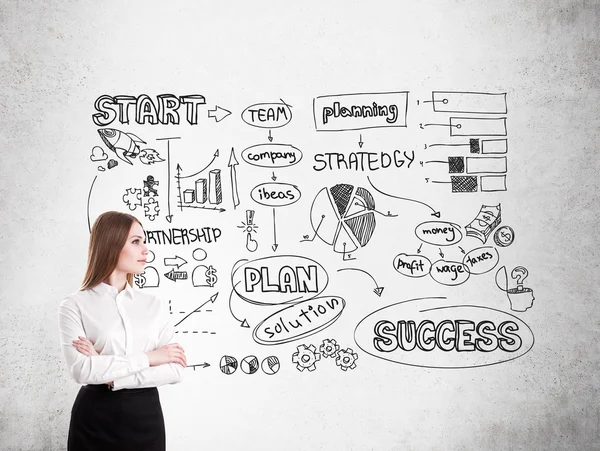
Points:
(419, 250)
(437, 214)
(176, 275)
(360, 141)
(215, 155)
(275, 245)
(378, 290)
(233, 175)
(177, 261)
(219, 113)
(441, 253)
(169, 216)
(88, 204)
(462, 250)
(243, 323)
(199, 365)
(178, 177)
(270, 137)
(212, 299)
(273, 176)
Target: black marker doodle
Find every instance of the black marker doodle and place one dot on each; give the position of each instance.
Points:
(174, 261)
(218, 113)
(435, 213)
(449, 273)
(494, 146)
(249, 228)
(364, 161)
(132, 198)
(268, 115)
(439, 233)
(112, 163)
(360, 111)
(249, 364)
(329, 348)
(493, 183)
(183, 236)
(204, 276)
(150, 187)
(206, 189)
(169, 216)
(176, 275)
(233, 176)
(481, 260)
(486, 165)
(346, 359)
(228, 364)
(243, 322)
(504, 236)
(270, 365)
(275, 245)
(212, 300)
(469, 126)
(343, 217)
(164, 111)
(461, 183)
(488, 218)
(126, 145)
(377, 290)
(520, 298)
(151, 208)
(433, 333)
(270, 137)
(468, 102)
(88, 204)
(98, 154)
(306, 358)
(272, 156)
(412, 265)
(199, 365)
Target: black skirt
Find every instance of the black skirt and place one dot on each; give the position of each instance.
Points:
(105, 420)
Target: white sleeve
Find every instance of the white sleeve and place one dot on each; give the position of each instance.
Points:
(155, 376)
(97, 369)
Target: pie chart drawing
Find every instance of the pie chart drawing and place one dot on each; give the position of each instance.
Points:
(343, 217)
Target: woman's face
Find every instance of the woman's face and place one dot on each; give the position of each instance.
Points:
(133, 255)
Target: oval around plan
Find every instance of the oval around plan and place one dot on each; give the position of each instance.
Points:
(272, 155)
(441, 311)
(439, 233)
(279, 279)
(267, 115)
(274, 194)
(299, 321)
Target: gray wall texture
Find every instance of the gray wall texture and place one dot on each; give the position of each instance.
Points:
(57, 57)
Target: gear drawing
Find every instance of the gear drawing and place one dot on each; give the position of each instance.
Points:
(306, 358)
(346, 359)
(133, 198)
(329, 348)
(152, 209)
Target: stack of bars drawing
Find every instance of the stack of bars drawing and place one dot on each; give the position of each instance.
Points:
(204, 190)
(485, 168)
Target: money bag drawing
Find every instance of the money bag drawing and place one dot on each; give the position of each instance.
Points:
(520, 298)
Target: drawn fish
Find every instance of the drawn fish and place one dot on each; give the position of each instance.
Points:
(123, 144)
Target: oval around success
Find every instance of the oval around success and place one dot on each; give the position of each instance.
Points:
(299, 321)
(279, 279)
(267, 115)
(434, 333)
(272, 155)
(481, 260)
(439, 233)
(412, 265)
(275, 194)
(449, 273)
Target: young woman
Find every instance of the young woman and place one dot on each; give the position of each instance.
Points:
(117, 342)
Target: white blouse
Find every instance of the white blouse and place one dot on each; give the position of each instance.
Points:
(123, 327)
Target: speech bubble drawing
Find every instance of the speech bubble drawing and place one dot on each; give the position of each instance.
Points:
(272, 155)
(449, 273)
(434, 333)
(267, 115)
(299, 321)
(439, 233)
(412, 265)
(279, 279)
(481, 260)
(275, 194)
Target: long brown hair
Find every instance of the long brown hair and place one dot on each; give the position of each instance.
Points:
(107, 238)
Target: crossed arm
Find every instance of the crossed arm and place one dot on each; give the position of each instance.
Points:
(164, 365)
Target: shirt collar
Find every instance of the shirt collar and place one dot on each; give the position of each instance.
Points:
(104, 288)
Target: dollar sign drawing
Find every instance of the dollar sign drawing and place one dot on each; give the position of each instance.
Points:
(140, 280)
(505, 235)
(211, 277)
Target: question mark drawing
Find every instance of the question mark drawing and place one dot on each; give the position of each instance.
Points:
(520, 273)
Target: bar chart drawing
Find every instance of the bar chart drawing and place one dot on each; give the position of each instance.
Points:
(198, 190)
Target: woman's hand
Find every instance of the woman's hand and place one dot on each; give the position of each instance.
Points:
(171, 353)
(85, 346)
